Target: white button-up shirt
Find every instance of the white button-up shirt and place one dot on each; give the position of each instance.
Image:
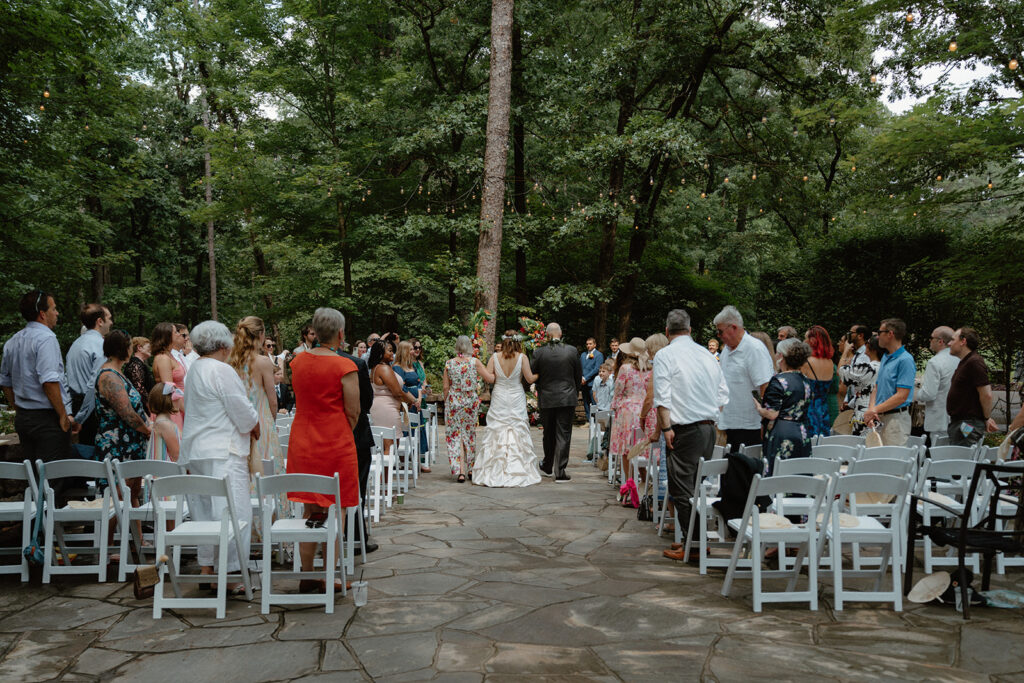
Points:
(746, 368)
(689, 382)
(218, 413)
(934, 389)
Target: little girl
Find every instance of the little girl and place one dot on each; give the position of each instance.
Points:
(165, 440)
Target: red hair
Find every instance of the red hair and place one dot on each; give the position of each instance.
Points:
(820, 342)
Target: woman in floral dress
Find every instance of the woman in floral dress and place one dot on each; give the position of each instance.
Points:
(786, 404)
(461, 405)
(631, 380)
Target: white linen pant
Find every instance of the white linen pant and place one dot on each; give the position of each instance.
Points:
(207, 509)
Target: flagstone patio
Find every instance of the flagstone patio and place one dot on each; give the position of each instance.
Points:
(554, 582)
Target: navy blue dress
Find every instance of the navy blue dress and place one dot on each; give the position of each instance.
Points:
(790, 434)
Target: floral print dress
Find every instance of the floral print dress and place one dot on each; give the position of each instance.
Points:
(460, 412)
(628, 400)
(790, 433)
(115, 437)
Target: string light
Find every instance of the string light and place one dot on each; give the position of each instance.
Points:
(726, 179)
(874, 78)
(990, 183)
(952, 46)
(910, 17)
(46, 91)
(753, 176)
(1012, 65)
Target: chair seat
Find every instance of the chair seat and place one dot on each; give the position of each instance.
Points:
(13, 510)
(186, 532)
(70, 514)
(772, 535)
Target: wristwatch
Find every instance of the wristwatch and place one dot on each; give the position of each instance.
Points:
(666, 429)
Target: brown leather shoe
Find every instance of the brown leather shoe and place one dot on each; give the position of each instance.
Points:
(677, 546)
(680, 555)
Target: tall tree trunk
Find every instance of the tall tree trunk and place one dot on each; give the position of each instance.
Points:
(519, 158)
(499, 104)
(207, 176)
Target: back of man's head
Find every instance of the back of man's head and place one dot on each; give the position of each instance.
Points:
(677, 321)
(33, 303)
(943, 333)
(863, 330)
(787, 332)
(897, 326)
(92, 314)
(554, 330)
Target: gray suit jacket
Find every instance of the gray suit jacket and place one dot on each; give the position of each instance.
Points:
(560, 373)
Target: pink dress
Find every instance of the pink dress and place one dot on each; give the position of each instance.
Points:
(630, 390)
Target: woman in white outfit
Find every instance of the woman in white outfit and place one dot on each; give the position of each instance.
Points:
(506, 457)
(219, 429)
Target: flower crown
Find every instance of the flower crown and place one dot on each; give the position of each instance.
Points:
(512, 337)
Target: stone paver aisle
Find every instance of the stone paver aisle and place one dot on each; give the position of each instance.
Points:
(552, 582)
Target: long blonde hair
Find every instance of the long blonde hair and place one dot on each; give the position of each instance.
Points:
(246, 348)
(656, 342)
(403, 357)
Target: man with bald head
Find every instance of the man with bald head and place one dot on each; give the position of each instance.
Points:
(560, 376)
(935, 383)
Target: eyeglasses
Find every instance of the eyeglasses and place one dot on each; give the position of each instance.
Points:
(417, 347)
(883, 332)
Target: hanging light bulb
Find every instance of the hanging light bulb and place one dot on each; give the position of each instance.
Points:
(853, 168)
(764, 119)
(750, 134)
(682, 181)
(805, 179)
(144, 126)
(1012, 65)
(952, 46)
(990, 183)
(46, 91)
(795, 131)
(910, 17)
(652, 181)
(726, 180)
(831, 120)
(42, 107)
(703, 195)
(938, 177)
(753, 176)
(874, 78)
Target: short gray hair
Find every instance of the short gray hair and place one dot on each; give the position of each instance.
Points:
(729, 316)
(784, 346)
(677, 320)
(794, 352)
(327, 322)
(463, 346)
(789, 331)
(211, 336)
(553, 330)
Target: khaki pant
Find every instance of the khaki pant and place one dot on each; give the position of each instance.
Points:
(897, 428)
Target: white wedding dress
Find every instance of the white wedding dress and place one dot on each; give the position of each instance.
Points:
(506, 456)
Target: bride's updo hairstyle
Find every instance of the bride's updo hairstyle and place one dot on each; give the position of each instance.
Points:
(510, 344)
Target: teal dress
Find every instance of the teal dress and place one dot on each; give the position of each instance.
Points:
(819, 412)
(114, 437)
(790, 434)
(412, 383)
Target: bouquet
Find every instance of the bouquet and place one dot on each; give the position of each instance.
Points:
(534, 332)
(478, 323)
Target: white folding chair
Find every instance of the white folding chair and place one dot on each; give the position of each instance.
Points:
(939, 440)
(121, 472)
(712, 531)
(429, 412)
(296, 530)
(936, 453)
(23, 511)
(915, 441)
(843, 454)
(901, 452)
(640, 462)
(406, 454)
(808, 467)
(752, 535)
(986, 453)
(863, 529)
(876, 504)
(97, 512)
(947, 482)
(383, 471)
(840, 440)
(218, 533)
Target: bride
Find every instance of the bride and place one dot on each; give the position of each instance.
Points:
(506, 456)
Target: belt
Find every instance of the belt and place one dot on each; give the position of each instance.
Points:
(897, 410)
(691, 424)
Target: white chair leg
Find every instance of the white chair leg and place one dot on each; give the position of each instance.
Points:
(222, 572)
(48, 550)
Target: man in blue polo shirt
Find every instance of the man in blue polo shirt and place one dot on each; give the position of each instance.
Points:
(894, 389)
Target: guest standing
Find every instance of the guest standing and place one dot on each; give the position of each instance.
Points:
(165, 437)
(689, 392)
(122, 430)
(219, 424)
(857, 372)
(326, 410)
(411, 384)
(168, 369)
(461, 406)
(787, 402)
(137, 369)
(893, 392)
(257, 373)
(591, 360)
(819, 372)
(630, 389)
(748, 367)
(83, 362)
(388, 394)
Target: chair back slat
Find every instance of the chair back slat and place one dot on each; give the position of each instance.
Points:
(188, 485)
(902, 452)
(806, 466)
(59, 469)
(840, 440)
(293, 483)
(893, 467)
(936, 453)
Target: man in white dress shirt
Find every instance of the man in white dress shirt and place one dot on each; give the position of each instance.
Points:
(935, 383)
(748, 367)
(689, 392)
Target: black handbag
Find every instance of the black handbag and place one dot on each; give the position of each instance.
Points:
(643, 511)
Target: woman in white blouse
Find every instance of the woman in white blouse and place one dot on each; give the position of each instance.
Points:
(218, 429)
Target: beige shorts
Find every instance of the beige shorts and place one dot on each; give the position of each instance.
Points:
(897, 428)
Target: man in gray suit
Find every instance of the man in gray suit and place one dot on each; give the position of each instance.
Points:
(558, 385)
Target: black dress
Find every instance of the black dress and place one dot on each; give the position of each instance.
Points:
(141, 377)
(790, 434)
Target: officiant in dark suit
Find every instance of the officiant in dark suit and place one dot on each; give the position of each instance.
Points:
(558, 385)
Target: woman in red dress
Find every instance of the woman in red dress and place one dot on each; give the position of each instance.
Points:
(326, 390)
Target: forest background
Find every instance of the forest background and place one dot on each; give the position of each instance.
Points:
(177, 160)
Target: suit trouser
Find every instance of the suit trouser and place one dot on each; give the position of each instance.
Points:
(87, 435)
(42, 439)
(690, 443)
(557, 424)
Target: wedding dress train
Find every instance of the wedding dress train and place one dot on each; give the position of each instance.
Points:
(506, 456)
